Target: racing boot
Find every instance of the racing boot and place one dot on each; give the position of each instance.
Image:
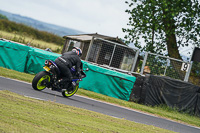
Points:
(74, 85)
(70, 86)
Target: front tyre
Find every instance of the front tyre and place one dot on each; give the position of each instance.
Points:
(70, 92)
(41, 80)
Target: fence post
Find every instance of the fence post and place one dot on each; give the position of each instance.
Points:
(112, 55)
(166, 67)
(89, 49)
(187, 75)
(135, 60)
(144, 62)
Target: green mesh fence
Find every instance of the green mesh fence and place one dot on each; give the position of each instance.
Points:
(36, 59)
(13, 56)
(107, 82)
(31, 60)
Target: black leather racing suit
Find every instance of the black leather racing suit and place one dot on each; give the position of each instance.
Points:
(65, 63)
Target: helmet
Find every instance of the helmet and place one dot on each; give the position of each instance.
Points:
(77, 50)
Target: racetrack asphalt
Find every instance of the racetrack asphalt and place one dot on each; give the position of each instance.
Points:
(24, 88)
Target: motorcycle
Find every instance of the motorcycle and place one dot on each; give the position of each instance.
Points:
(50, 77)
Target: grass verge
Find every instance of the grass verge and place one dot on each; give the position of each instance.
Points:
(161, 111)
(22, 114)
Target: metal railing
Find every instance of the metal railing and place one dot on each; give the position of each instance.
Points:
(165, 66)
(113, 55)
(125, 59)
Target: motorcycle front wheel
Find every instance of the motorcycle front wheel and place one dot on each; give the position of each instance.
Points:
(70, 91)
(41, 80)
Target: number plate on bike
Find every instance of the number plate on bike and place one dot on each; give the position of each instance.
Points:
(46, 68)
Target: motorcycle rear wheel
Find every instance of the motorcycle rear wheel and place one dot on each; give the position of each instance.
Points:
(68, 93)
(40, 80)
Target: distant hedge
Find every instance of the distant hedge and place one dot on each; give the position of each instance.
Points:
(22, 29)
(3, 17)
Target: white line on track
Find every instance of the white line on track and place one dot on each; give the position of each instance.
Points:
(35, 98)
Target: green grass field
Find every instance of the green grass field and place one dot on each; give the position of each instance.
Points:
(21, 114)
(160, 111)
(33, 42)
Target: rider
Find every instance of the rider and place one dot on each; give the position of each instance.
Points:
(65, 63)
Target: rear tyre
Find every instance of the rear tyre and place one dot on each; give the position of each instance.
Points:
(41, 80)
(70, 91)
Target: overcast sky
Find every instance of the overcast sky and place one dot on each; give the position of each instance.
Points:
(105, 17)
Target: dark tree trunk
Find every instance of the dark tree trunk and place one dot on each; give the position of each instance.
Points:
(169, 25)
(172, 46)
(174, 53)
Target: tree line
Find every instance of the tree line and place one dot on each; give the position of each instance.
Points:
(25, 30)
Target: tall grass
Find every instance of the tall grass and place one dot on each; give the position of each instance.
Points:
(30, 41)
(24, 30)
(30, 36)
